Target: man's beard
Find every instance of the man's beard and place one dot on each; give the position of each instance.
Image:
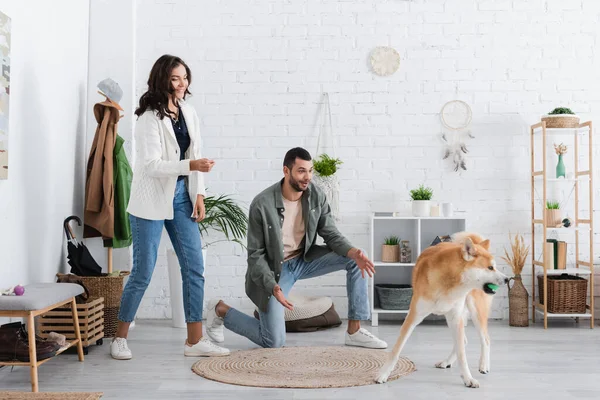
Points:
(295, 185)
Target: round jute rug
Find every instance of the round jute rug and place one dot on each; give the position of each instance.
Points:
(300, 367)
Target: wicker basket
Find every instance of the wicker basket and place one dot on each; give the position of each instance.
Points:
(561, 121)
(566, 293)
(91, 322)
(394, 296)
(111, 288)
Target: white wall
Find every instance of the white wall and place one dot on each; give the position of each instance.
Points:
(260, 67)
(47, 134)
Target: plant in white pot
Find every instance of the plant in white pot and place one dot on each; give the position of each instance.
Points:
(325, 168)
(561, 117)
(421, 199)
(222, 215)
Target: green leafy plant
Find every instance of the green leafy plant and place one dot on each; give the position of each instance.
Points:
(552, 205)
(392, 241)
(326, 165)
(224, 215)
(421, 193)
(561, 110)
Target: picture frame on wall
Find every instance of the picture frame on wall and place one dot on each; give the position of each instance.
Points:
(5, 29)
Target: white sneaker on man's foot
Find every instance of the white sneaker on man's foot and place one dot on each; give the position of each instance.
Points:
(119, 349)
(214, 323)
(204, 348)
(364, 338)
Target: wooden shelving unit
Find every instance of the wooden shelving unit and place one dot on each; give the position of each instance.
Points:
(580, 225)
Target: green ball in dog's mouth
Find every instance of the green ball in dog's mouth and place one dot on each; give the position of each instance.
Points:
(490, 288)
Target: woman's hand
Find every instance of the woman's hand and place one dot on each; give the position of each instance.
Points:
(202, 165)
(199, 210)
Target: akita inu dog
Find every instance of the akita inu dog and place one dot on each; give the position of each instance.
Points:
(453, 279)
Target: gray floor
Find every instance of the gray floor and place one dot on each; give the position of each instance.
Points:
(562, 362)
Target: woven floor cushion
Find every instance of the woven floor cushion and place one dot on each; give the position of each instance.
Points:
(38, 296)
(309, 314)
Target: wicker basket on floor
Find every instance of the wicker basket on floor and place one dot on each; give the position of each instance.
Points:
(111, 289)
(566, 293)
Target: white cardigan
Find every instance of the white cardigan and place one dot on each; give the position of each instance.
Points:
(157, 165)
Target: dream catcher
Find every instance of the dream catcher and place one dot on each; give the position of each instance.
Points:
(456, 117)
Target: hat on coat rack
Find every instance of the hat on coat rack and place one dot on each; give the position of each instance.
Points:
(112, 91)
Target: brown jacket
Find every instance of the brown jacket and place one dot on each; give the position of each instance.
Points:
(99, 191)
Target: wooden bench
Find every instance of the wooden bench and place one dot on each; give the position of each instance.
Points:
(38, 299)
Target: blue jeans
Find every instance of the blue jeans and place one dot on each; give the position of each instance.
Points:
(185, 237)
(269, 331)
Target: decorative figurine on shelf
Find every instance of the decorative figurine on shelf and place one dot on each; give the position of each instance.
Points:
(560, 167)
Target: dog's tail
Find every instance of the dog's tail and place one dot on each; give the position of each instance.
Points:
(460, 237)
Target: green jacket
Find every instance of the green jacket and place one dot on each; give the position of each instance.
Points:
(122, 175)
(265, 243)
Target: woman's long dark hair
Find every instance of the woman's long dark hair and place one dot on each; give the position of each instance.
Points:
(160, 88)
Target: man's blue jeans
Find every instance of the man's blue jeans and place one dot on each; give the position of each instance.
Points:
(185, 237)
(269, 331)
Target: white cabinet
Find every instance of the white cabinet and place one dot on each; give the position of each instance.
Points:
(420, 232)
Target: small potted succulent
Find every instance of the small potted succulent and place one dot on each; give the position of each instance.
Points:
(390, 250)
(553, 218)
(421, 199)
(561, 117)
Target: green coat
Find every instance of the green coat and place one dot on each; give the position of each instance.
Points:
(122, 183)
(265, 243)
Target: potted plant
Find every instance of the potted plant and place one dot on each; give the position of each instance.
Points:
(223, 215)
(560, 166)
(325, 178)
(518, 298)
(421, 197)
(390, 250)
(553, 218)
(561, 117)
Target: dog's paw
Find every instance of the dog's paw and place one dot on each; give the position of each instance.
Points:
(484, 367)
(443, 364)
(382, 378)
(471, 382)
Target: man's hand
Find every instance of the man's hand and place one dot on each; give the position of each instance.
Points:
(199, 209)
(362, 261)
(278, 293)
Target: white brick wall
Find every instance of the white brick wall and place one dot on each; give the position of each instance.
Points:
(259, 69)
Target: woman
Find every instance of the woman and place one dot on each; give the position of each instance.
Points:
(167, 190)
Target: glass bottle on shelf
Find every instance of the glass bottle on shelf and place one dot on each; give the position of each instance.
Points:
(405, 252)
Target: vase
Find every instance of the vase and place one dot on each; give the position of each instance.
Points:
(560, 167)
(518, 303)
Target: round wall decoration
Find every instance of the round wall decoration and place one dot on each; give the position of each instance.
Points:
(385, 60)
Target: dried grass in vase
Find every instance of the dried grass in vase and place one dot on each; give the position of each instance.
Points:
(519, 254)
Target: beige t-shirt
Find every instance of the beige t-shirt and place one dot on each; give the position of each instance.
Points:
(292, 229)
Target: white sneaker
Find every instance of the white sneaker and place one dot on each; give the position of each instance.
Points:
(204, 348)
(119, 349)
(364, 338)
(214, 323)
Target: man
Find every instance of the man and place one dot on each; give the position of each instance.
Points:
(284, 221)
